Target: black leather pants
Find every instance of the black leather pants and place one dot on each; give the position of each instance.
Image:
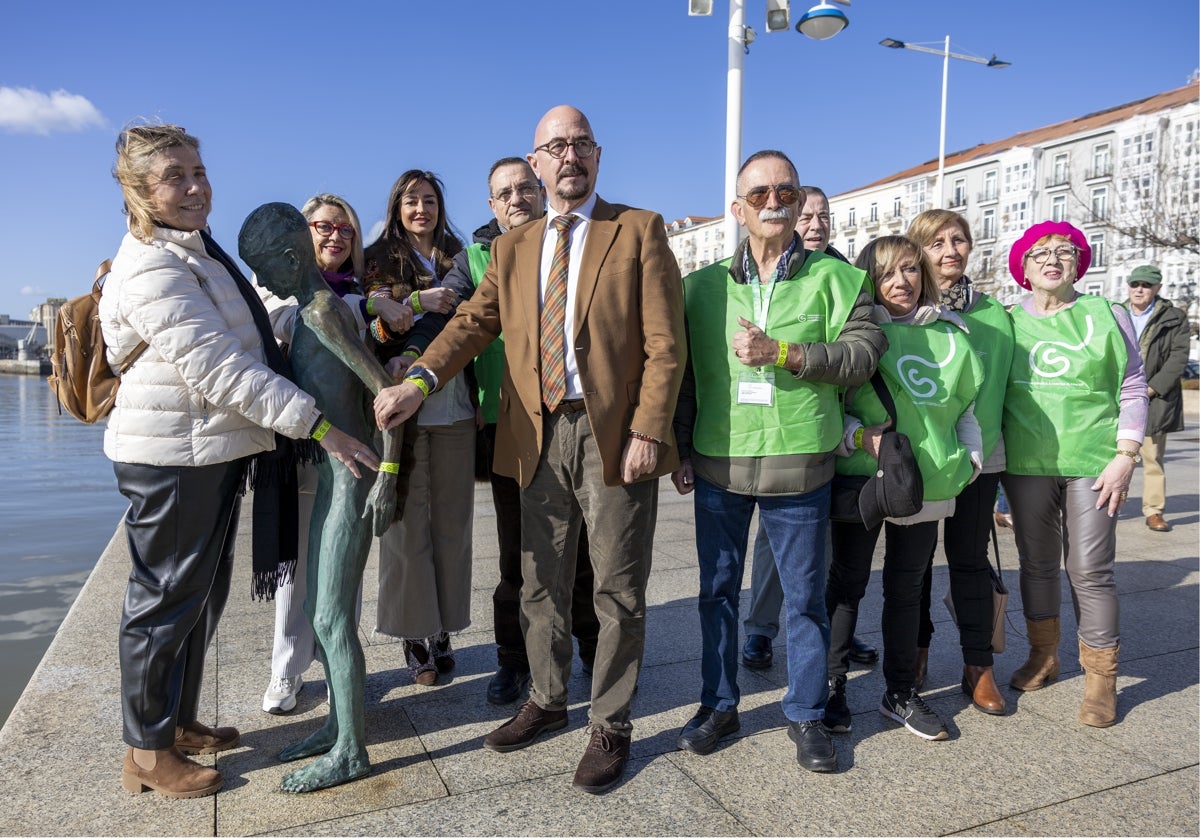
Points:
(181, 526)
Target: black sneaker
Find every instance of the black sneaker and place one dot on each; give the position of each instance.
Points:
(837, 713)
(910, 710)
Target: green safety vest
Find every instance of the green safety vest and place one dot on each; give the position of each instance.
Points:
(1061, 410)
(489, 365)
(805, 417)
(933, 377)
(992, 340)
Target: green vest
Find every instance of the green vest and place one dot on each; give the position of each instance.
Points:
(1061, 410)
(805, 417)
(489, 365)
(992, 340)
(933, 377)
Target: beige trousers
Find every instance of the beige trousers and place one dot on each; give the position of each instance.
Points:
(1154, 480)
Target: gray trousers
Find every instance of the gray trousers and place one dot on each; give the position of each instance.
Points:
(1055, 518)
(567, 490)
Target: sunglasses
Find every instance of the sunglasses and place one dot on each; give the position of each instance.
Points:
(786, 193)
(1140, 284)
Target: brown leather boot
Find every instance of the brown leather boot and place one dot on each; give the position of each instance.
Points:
(1042, 665)
(979, 682)
(920, 668)
(168, 772)
(1099, 707)
(197, 739)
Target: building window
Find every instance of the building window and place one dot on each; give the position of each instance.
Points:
(850, 248)
(874, 211)
(1099, 258)
(1016, 178)
(1062, 169)
(1094, 289)
(851, 218)
(832, 221)
(985, 262)
(989, 185)
(916, 196)
(1058, 208)
(1138, 150)
(1099, 204)
(960, 193)
(1101, 160)
(989, 224)
(1016, 215)
(896, 207)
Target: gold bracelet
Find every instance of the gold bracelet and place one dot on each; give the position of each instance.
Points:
(1131, 454)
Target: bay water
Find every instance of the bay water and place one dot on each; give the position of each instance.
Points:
(59, 507)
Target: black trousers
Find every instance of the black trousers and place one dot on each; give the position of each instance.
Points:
(906, 555)
(965, 540)
(506, 600)
(181, 526)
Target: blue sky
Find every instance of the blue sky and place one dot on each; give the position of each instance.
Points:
(290, 99)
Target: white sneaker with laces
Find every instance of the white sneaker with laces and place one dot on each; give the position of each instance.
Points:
(280, 697)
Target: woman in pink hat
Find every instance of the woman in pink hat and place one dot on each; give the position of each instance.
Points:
(1074, 417)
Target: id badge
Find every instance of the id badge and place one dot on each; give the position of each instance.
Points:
(756, 387)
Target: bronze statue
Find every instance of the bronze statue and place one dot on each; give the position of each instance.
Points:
(332, 363)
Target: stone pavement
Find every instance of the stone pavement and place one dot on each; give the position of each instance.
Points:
(1035, 771)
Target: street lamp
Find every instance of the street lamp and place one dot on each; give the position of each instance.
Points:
(946, 56)
(820, 22)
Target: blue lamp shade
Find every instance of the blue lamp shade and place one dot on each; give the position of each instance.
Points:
(822, 22)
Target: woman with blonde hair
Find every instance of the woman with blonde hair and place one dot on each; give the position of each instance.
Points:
(933, 378)
(210, 394)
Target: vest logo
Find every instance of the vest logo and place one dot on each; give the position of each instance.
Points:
(805, 317)
(1048, 361)
(910, 371)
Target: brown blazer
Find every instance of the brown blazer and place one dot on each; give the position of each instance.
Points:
(629, 338)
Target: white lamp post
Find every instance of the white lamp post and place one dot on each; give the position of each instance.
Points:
(946, 56)
(820, 22)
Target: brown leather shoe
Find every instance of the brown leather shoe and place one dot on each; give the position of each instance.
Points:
(1155, 522)
(979, 682)
(603, 761)
(522, 730)
(170, 774)
(1004, 520)
(197, 739)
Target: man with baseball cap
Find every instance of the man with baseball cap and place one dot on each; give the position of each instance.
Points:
(1162, 333)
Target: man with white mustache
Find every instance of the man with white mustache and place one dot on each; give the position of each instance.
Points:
(773, 333)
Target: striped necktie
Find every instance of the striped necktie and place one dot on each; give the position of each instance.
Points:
(553, 320)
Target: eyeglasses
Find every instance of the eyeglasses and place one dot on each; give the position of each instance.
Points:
(525, 191)
(1140, 284)
(786, 193)
(1064, 253)
(557, 148)
(328, 228)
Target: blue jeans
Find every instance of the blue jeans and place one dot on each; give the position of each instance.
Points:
(795, 526)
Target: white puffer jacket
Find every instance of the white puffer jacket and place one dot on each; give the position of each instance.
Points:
(202, 392)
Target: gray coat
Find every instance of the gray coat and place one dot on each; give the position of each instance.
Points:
(1164, 345)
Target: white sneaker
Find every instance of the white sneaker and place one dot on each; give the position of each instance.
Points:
(280, 697)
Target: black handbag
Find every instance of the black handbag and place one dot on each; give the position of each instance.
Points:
(895, 490)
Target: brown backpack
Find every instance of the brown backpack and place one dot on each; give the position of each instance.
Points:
(82, 380)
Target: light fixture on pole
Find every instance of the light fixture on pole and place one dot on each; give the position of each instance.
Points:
(946, 56)
(821, 21)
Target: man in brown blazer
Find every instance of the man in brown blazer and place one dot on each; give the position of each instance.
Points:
(590, 302)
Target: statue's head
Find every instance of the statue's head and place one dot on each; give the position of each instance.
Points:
(275, 243)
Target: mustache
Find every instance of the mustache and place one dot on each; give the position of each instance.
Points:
(571, 169)
(779, 213)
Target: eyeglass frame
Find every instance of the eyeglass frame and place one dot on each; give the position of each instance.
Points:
(568, 144)
(338, 229)
(766, 194)
(1072, 254)
(527, 191)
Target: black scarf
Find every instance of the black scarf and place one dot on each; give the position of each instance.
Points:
(272, 474)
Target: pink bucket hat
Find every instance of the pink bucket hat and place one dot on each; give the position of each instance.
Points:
(1016, 257)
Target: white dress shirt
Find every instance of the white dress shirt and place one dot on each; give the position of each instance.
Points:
(578, 235)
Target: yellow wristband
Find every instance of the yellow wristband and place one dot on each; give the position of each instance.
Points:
(389, 467)
(412, 354)
(414, 300)
(321, 430)
(858, 436)
(420, 383)
(781, 359)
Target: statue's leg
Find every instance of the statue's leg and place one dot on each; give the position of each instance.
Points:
(323, 739)
(344, 545)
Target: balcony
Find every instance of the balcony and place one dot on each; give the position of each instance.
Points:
(958, 201)
(849, 225)
(872, 223)
(1103, 170)
(1059, 179)
(988, 196)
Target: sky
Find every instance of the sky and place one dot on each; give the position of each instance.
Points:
(294, 98)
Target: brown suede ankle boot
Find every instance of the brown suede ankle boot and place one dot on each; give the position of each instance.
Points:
(979, 682)
(1042, 665)
(1099, 707)
(168, 772)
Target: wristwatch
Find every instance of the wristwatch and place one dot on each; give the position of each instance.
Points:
(425, 375)
(1131, 453)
